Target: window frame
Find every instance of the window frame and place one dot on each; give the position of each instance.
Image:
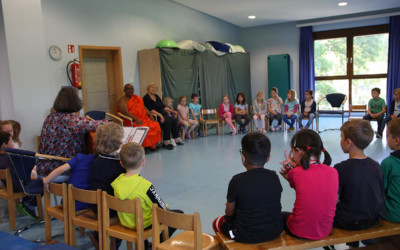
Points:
(349, 34)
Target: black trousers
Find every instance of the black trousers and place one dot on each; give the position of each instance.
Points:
(239, 118)
(169, 126)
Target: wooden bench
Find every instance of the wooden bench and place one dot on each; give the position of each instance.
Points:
(337, 236)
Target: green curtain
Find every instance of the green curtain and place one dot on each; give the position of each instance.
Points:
(178, 73)
(182, 70)
(239, 64)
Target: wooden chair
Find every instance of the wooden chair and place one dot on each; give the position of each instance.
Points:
(115, 229)
(214, 120)
(59, 212)
(183, 135)
(85, 218)
(357, 109)
(126, 118)
(8, 194)
(101, 115)
(191, 238)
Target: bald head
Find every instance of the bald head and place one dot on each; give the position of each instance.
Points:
(128, 89)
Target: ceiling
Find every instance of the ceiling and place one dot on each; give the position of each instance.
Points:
(280, 11)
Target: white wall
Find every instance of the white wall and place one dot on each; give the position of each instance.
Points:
(27, 66)
(263, 41)
(32, 26)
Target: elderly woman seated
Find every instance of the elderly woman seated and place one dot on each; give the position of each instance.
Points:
(168, 124)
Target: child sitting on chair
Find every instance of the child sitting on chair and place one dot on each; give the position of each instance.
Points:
(28, 204)
(308, 109)
(168, 102)
(184, 118)
(275, 109)
(253, 207)
(195, 113)
(260, 111)
(226, 113)
(131, 185)
(394, 110)
(291, 109)
(376, 110)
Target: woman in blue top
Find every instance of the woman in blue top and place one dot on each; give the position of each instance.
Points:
(241, 112)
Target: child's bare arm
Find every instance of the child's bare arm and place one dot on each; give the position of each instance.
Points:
(230, 208)
(55, 173)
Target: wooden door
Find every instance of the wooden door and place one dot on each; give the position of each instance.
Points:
(102, 81)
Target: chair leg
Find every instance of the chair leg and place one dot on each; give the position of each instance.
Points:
(47, 225)
(72, 235)
(39, 206)
(11, 213)
(106, 241)
(129, 245)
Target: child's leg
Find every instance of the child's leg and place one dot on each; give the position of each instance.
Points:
(246, 120)
(238, 119)
(279, 118)
(379, 120)
(255, 118)
(384, 122)
(222, 224)
(300, 120)
(228, 120)
(194, 125)
(293, 120)
(185, 125)
(271, 119)
(286, 120)
(263, 121)
(310, 119)
(367, 117)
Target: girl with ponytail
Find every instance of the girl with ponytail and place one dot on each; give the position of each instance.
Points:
(316, 185)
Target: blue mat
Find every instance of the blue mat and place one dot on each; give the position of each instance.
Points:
(11, 242)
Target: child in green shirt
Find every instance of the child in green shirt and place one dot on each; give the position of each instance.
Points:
(376, 109)
(391, 173)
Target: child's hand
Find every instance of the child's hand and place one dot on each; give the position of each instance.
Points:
(285, 171)
(274, 113)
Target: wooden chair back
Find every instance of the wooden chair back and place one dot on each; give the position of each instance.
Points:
(8, 194)
(85, 218)
(125, 117)
(357, 109)
(187, 222)
(213, 114)
(59, 212)
(116, 230)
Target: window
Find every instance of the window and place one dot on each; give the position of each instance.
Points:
(352, 62)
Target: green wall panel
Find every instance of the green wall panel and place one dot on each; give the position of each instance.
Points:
(279, 73)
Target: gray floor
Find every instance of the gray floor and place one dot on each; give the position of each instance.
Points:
(195, 177)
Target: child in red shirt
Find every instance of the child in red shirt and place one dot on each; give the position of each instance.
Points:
(316, 187)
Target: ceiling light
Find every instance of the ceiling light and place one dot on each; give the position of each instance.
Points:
(341, 4)
(252, 17)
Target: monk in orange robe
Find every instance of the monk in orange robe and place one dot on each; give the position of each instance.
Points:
(132, 106)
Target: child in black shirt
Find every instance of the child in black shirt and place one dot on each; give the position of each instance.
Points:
(253, 208)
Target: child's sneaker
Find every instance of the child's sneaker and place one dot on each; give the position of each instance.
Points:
(233, 132)
(30, 212)
(272, 128)
(278, 128)
(291, 129)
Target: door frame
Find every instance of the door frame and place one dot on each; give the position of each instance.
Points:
(114, 70)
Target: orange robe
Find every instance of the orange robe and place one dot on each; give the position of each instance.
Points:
(137, 109)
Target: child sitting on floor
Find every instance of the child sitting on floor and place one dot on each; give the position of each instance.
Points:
(184, 117)
(316, 186)
(253, 207)
(361, 190)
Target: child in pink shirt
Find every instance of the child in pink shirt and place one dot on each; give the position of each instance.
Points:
(226, 113)
(316, 187)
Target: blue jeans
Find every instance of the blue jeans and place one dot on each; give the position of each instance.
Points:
(310, 119)
(292, 120)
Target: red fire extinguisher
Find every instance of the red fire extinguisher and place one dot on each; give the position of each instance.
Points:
(74, 68)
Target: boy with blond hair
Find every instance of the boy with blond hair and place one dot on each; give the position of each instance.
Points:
(391, 172)
(131, 186)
